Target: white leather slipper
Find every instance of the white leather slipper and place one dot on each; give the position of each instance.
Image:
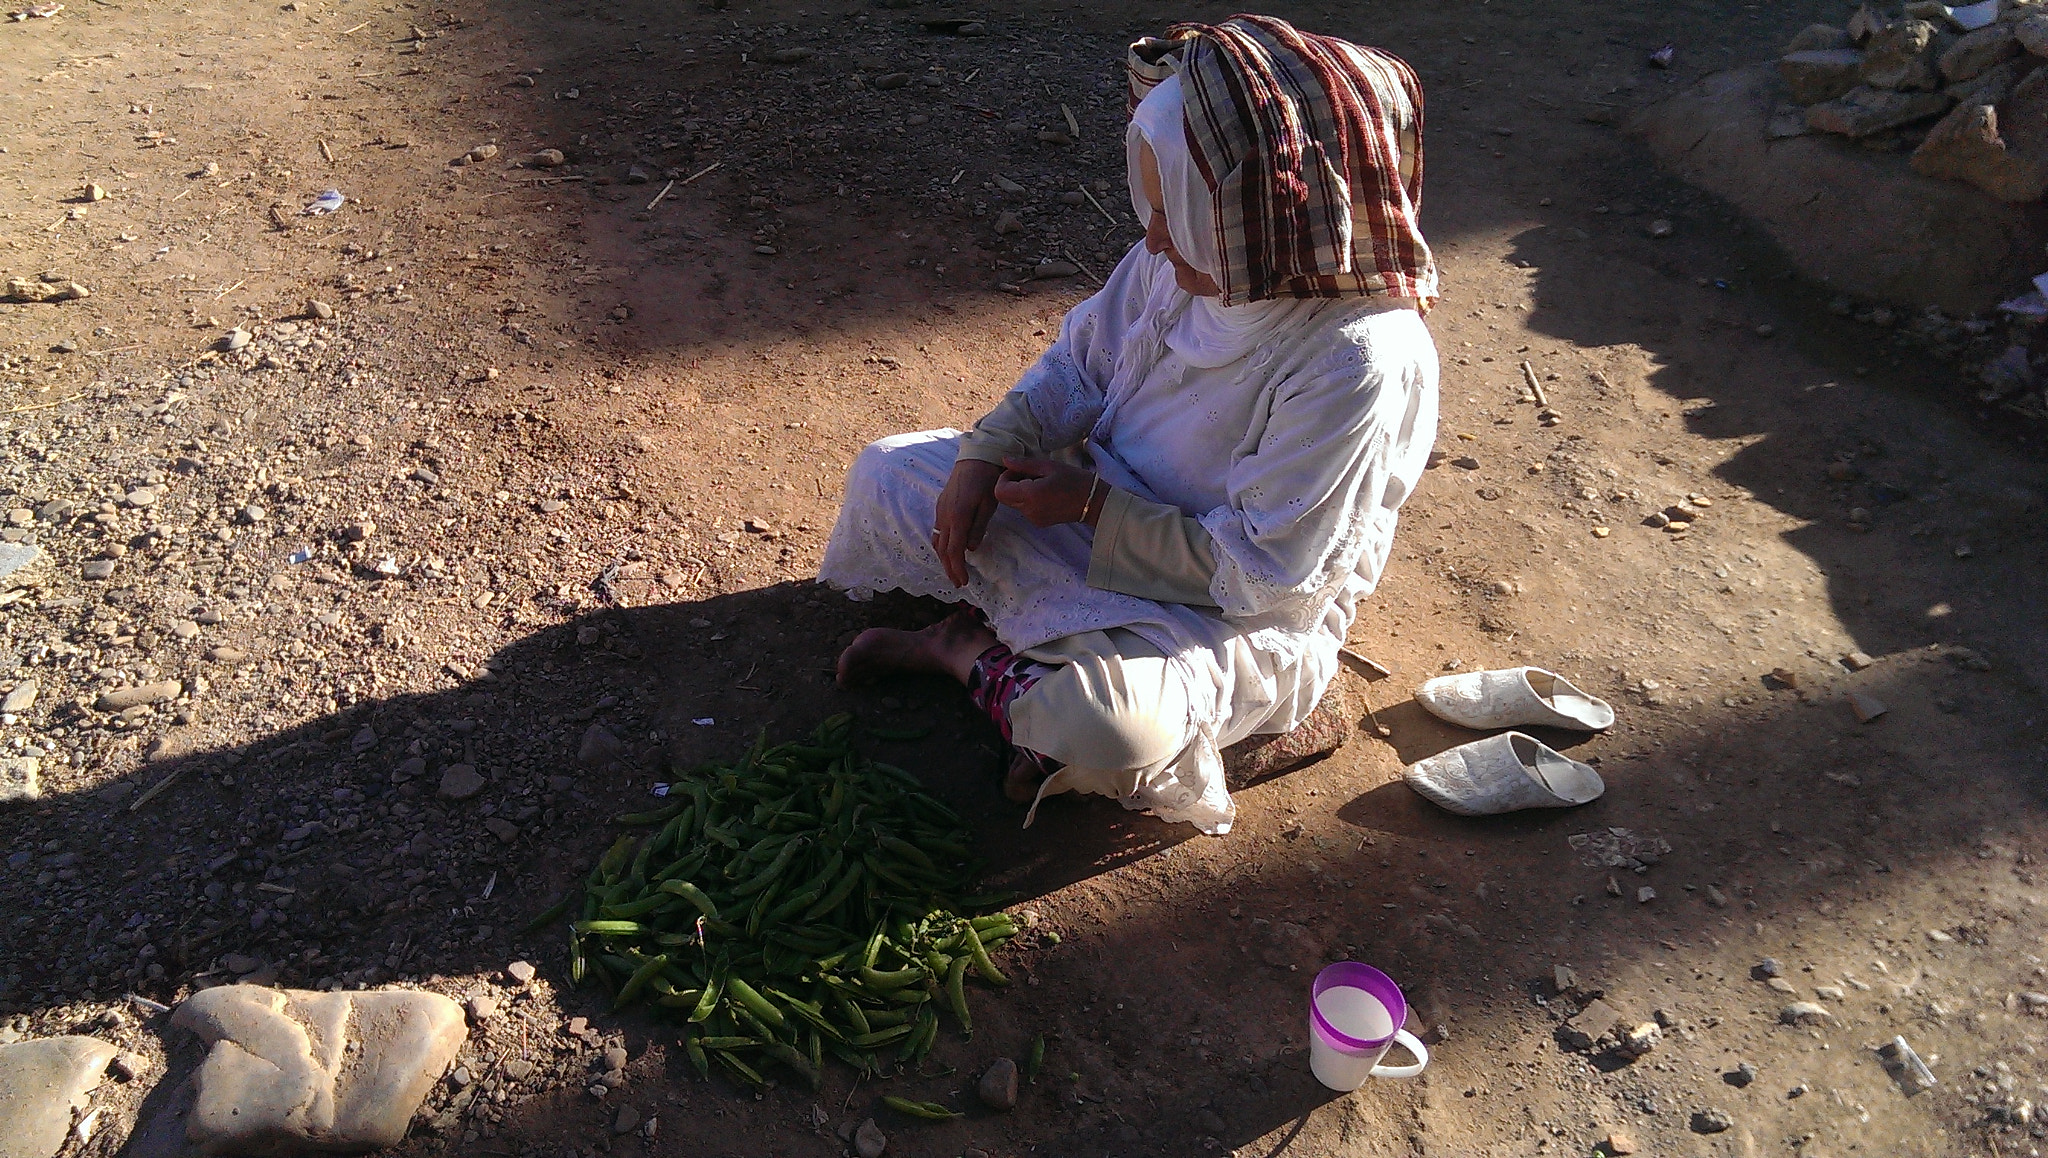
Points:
(1504, 773)
(1516, 697)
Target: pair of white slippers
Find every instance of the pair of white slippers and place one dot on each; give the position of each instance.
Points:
(1510, 771)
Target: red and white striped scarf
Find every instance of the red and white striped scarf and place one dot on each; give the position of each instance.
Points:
(1313, 148)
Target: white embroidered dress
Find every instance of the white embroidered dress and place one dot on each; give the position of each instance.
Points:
(1294, 457)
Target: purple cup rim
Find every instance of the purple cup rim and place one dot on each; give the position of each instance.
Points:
(1354, 975)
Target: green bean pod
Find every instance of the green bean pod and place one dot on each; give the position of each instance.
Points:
(929, 1111)
(692, 894)
(956, 994)
(1034, 1060)
(638, 981)
(982, 964)
(756, 1004)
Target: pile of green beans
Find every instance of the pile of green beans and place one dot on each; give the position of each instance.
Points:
(799, 903)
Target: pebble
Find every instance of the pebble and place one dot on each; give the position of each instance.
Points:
(1007, 185)
(236, 339)
(1767, 968)
(95, 193)
(129, 1065)
(251, 515)
(1857, 661)
(1073, 197)
(482, 1007)
(184, 629)
(1645, 895)
(1053, 269)
(359, 531)
(550, 506)
(98, 569)
(868, 1139)
(227, 654)
(22, 698)
(627, 1119)
(547, 159)
(1782, 985)
(1054, 137)
(998, 1088)
(140, 497)
(790, 55)
(615, 1058)
(1743, 1074)
(1866, 706)
(893, 80)
(518, 1069)
(1830, 993)
(1618, 1143)
(1803, 1013)
(121, 699)
(1766, 330)
(1710, 1121)
(1007, 223)
(318, 308)
(460, 782)
(1661, 228)
(520, 971)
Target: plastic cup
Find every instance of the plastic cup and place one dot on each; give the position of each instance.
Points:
(1355, 1014)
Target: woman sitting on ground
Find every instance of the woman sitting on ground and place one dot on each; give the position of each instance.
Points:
(1163, 530)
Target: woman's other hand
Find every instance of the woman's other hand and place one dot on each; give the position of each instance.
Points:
(965, 507)
(1044, 491)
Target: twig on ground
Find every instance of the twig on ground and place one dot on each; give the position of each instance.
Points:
(660, 195)
(1535, 387)
(1098, 205)
(43, 405)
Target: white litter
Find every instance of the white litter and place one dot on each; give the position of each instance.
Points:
(706, 722)
(1971, 17)
(326, 203)
(2028, 305)
(661, 790)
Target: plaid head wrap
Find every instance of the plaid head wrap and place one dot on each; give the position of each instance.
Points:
(1312, 147)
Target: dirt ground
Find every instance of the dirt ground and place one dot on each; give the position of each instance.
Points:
(545, 494)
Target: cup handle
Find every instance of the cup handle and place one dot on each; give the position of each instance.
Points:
(1412, 1044)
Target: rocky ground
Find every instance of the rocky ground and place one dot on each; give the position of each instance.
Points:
(349, 634)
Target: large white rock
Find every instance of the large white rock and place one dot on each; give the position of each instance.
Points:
(42, 1082)
(292, 1070)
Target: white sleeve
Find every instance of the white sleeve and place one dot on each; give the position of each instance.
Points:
(1065, 389)
(1343, 445)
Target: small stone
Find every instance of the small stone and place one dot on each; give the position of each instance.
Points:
(1008, 223)
(520, 971)
(599, 747)
(236, 339)
(1661, 228)
(1766, 969)
(1054, 269)
(318, 308)
(1866, 706)
(626, 1120)
(868, 1139)
(502, 828)
(998, 1088)
(1743, 1074)
(1618, 1144)
(1966, 146)
(44, 1083)
(1710, 1121)
(482, 1007)
(1590, 1024)
(1007, 185)
(1054, 137)
(518, 1069)
(140, 497)
(121, 699)
(547, 159)
(790, 55)
(1645, 895)
(251, 515)
(1830, 993)
(184, 629)
(1864, 111)
(22, 698)
(128, 1065)
(1641, 1039)
(460, 782)
(95, 193)
(1467, 462)
(20, 779)
(1804, 1013)
(615, 1058)
(1901, 57)
(227, 654)
(1716, 897)
(425, 475)
(1563, 979)
(893, 80)
(97, 569)
(359, 531)
(1820, 75)
(1766, 330)
(1781, 985)
(1939, 937)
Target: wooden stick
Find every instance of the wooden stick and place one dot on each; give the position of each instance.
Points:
(357, 28)
(1098, 205)
(660, 195)
(43, 405)
(1373, 672)
(1068, 254)
(1073, 126)
(1535, 387)
(327, 152)
(149, 794)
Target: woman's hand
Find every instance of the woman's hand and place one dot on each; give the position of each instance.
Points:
(965, 507)
(1044, 491)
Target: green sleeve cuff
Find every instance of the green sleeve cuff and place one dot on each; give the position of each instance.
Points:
(1151, 550)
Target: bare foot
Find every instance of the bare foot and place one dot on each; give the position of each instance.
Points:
(1020, 783)
(948, 647)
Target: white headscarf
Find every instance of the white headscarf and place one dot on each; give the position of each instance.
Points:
(1207, 334)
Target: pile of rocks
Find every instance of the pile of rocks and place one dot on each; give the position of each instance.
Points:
(1882, 79)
